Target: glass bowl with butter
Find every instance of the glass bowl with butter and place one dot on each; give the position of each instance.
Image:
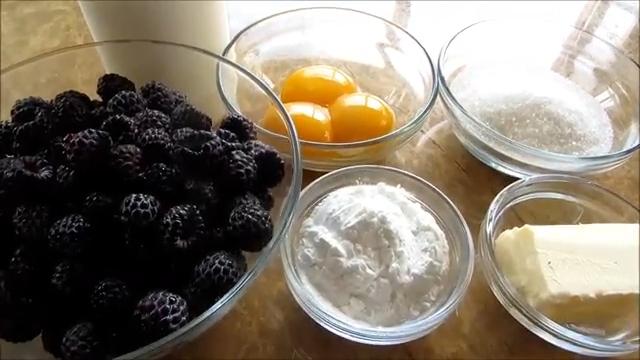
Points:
(560, 253)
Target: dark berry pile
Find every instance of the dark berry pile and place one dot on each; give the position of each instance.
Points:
(123, 218)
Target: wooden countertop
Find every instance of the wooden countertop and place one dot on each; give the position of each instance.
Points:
(267, 323)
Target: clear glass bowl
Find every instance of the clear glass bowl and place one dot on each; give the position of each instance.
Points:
(508, 51)
(551, 200)
(382, 57)
(192, 72)
(448, 218)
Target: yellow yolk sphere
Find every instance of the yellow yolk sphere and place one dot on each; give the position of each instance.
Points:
(312, 121)
(318, 84)
(359, 117)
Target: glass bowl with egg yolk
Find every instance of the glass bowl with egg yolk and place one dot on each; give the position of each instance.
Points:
(357, 86)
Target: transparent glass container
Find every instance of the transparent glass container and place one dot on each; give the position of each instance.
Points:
(190, 71)
(556, 200)
(517, 46)
(382, 57)
(448, 218)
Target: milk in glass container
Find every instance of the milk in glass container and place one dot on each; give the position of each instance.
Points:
(203, 24)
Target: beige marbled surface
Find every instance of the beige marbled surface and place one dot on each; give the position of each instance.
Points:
(267, 323)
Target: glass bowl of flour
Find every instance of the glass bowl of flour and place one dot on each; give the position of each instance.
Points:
(377, 255)
(528, 97)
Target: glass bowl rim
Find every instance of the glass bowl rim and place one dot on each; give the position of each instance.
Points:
(544, 154)
(288, 207)
(499, 283)
(413, 123)
(461, 274)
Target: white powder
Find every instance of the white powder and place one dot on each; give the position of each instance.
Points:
(374, 253)
(536, 107)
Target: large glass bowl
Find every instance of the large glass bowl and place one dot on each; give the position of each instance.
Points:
(192, 72)
(382, 57)
(552, 62)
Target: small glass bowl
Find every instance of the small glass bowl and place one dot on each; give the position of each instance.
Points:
(383, 59)
(519, 46)
(448, 218)
(551, 200)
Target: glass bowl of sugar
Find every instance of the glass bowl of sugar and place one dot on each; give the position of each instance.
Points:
(530, 97)
(377, 255)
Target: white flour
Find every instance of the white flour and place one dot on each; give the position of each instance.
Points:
(374, 253)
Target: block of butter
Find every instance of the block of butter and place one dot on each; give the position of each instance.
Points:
(586, 275)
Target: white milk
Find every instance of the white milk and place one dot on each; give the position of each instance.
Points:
(203, 24)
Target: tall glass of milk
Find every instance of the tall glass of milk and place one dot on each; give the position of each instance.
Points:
(203, 24)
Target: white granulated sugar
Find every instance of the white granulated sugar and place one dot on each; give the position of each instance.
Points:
(374, 253)
(536, 107)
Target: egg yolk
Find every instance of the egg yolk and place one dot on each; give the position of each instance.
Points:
(312, 121)
(360, 116)
(318, 84)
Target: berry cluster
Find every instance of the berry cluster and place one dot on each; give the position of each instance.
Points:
(123, 218)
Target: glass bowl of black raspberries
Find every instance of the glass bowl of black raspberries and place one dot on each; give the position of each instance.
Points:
(135, 209)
